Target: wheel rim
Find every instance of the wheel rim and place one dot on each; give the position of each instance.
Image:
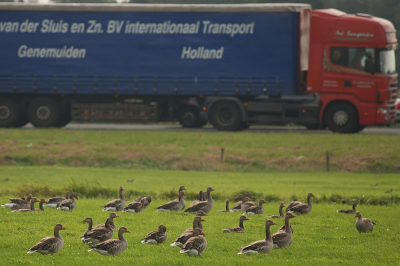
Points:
(225, 116)
(340, 118)
(4, 112)
(188, 118)
(43, 112)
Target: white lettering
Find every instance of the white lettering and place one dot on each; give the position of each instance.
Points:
(66, 52)
(202, 53)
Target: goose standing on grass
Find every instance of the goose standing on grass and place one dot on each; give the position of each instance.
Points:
(68, 204)
(301, 208)
(55, 201)
(112, 224)
(49, 245)
(363, 225)
(226, 207)
(176, 204)
(116, 204)
(240, 197)
(205, 206)
(156, 237)
(237, 229)
(31, 208)
(112, 247)
(247, 203)
(188, 233)
(195, 245)
(18, 203)
(281, 238)
(260, 246)
(256, 209)
(97, 235)
(280, 215)
(349, 210)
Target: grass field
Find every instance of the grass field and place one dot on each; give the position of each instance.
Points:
(322, 237)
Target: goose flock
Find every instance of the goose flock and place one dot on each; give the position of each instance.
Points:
(192, 241)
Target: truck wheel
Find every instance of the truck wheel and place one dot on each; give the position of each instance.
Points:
(342, 118)
(226, 116)
(190, 118)
(44, 112)
(10, 113)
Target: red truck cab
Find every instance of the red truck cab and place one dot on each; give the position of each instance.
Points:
(352, 68)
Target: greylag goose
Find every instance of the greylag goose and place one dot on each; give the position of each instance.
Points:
(18, 203)
(188, 233)
(240, 197)
(112, 247)
(256, 209)
(247, 203)
(68, 204)
(112, 224)
(349, 210)
(176, 204)
(156, 237)
(195, 245)
(41, 204)
(90, 226)
(134, 206)
(281, 238)
(49, 245)
(116, 204)
(363, 225)
(301, 208)
(31, 209)
(280, 215)
(260, 246)
(205, 206)
(145, 201)
(226, 207)
(55, 201)
(237, 229)
(97, 235)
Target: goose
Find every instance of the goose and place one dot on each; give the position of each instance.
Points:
(116, 204)
(156, 237)
(195, 245)
(112, 247)
(97, 235)
(146, 202)
(188, 233)
(349, 210)
(240, 197)
(280, 215)
(237, 229)
(112, 224)
(41, 203)
(134, 206)
(55, 201)
(18, 203)
(256, 209)
(68, 204)
(260, 246)
(90, 226)
(301, 208)
(202, 197)
(226, 207)
(205, 206)
(31, 208)
(282, 238)
(176, 204)
(363, 225)
(49, 245)
(247, 203)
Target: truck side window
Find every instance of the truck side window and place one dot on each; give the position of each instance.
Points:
(338, 56)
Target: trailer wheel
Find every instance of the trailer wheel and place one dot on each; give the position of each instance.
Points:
(10, 113)
(226, 116)
(44, 112)
(342, 118)
(190, 118)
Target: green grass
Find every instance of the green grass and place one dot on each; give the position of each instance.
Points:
(321, 237)
(201, 151)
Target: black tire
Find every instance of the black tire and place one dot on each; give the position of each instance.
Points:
(342, 118)
(190, 118)
(44, 112)
(10, 113)
(226, 116)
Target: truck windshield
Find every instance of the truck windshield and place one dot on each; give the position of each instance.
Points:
(387, 62)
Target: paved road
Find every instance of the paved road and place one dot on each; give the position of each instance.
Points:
(173, 127)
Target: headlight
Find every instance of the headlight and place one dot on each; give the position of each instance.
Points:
(382, 111)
